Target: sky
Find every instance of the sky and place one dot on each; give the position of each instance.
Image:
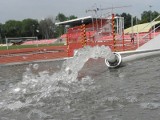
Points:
(41, 9)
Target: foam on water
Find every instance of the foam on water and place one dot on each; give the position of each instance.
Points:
(33, 88)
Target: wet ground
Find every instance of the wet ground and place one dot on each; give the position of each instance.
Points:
(44, 91)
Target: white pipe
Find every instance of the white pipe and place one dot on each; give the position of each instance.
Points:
(140, 56)
(116, 60)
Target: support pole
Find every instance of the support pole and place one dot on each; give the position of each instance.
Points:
(68, 50)
(123, 34)
(113, 33)
(83, 35)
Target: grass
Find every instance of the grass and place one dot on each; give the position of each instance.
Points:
(29, 46)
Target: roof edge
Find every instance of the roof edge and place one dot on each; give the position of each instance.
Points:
(73, 20)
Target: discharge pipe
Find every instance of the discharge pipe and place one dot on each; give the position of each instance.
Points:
(115, 60)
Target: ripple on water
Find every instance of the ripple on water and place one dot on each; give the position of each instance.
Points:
(150, 106)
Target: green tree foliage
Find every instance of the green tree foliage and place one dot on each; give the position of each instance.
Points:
(1, 33)
(29, 27)
(61, 17)
(1, 30)
(60, 29)
(155, 15)
(47, 28)
(13, 28)
(44, 29)
(25, 28)
(127, 19)
(72, 17)
(148, 16)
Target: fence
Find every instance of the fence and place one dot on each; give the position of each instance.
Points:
(80, 36)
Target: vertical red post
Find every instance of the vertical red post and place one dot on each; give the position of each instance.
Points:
(83, 35)
(68, 50)
(82, 39)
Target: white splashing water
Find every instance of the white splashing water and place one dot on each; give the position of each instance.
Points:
(81, 56)
(33, 88)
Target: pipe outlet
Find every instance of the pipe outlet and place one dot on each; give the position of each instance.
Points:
(115, 61)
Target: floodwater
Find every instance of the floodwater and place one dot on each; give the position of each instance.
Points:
(81, 88)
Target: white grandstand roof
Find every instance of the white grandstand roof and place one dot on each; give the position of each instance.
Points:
(78, 21)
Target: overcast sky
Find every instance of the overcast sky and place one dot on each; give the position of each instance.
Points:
(40, 9)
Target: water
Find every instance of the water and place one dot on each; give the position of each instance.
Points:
(81, 88)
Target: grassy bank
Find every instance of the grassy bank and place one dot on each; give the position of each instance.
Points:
(28, 46)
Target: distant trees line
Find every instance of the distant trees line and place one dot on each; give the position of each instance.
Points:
(43, 29)
(146, 16)
(46, 28)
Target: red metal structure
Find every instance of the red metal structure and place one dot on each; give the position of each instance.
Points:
(82, 35)
(102, 31)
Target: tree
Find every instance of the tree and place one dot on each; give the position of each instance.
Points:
(155, 15)
(29, 27)
(148, 16)
(13, 28)
(1, 30)
(72, 17)
(60, 29)
(47, 28)
(61, 17)
(127, 19)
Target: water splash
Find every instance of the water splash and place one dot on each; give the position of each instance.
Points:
(81, 56)
(34, 88)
